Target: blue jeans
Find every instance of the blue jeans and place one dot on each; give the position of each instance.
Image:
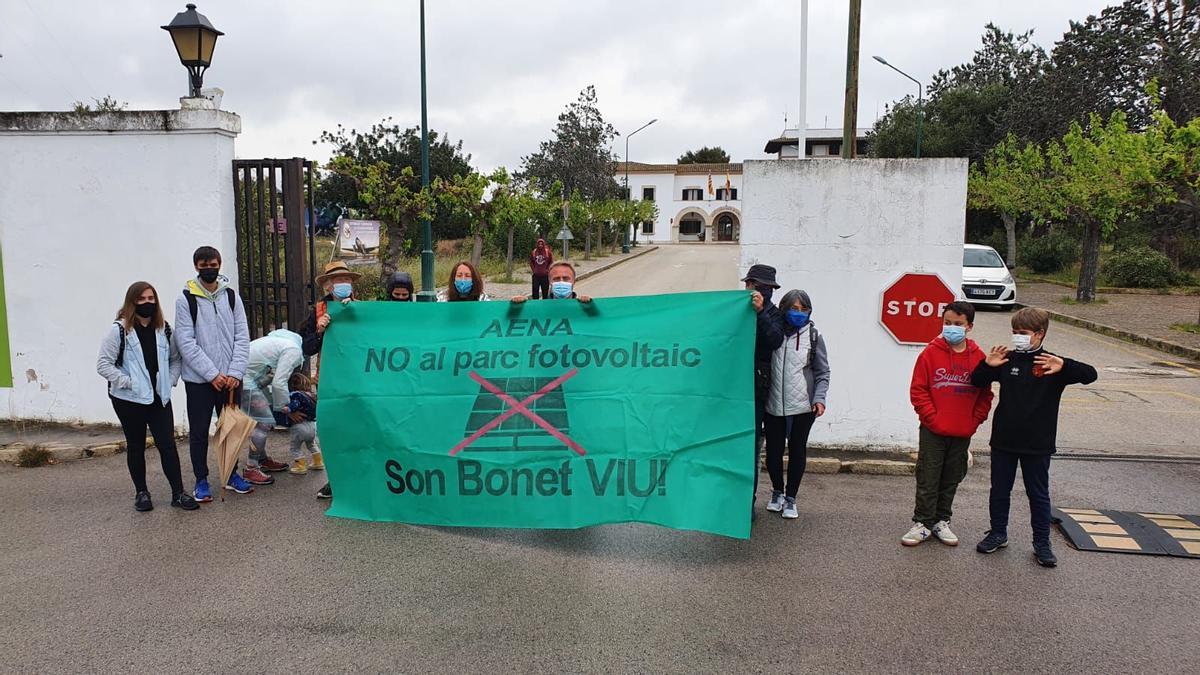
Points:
(1035, 471)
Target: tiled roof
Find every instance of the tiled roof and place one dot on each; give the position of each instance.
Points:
(679, 169)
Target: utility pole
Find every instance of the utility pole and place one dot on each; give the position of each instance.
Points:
(850, 116)
(427, 294)
(802, 118)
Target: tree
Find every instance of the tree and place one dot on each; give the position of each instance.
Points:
(577, 156)
(705, 155)
(1098, 178)
(476, 198)
(396, 198)
(517, 205)
(106, 104)
(1008, 182)
(400, 149)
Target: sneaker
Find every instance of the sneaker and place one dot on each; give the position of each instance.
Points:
(299, 467)
(917, 534)
(142, 502)
(1044, 554)
(318, 462)
(776, 503)
(942, 531)
(992, 542)
(239, 484)
(256, 477)
(271, 466)
(325, 492)
(184, 501)
(789, 508)
(202, 493)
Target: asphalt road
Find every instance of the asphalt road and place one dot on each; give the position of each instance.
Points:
(265, 582)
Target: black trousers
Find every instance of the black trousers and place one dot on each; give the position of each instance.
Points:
(541, 286)
(135, 418)
(760, 411)
(797, 448)
(1035, 470)
(202, 402)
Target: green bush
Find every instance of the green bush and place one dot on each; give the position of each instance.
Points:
(1138, 267)
(1189, 253)
(1049, 253)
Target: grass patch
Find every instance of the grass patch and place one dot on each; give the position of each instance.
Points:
(34, 455)
(1068, 300)
(1187, 327)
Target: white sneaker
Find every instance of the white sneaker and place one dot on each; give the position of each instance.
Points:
(942, 531)
(776, 503)
(789, 509)
(916, 535)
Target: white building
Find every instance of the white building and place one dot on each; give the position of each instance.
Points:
(687, 209)
(818, 143)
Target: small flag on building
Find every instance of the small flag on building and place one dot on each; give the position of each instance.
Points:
(710, 187)
(728, 186)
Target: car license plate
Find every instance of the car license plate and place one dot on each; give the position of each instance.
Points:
(984, 291)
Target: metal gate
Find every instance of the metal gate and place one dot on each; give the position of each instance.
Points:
(276, 254)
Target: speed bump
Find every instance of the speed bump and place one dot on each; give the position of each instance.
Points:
(1128, 532)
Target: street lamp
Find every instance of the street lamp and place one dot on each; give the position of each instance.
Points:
(920, 99)
(427, 294)
(628, 194)
(194, 39)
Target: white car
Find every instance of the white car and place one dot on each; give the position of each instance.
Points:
(986, 279)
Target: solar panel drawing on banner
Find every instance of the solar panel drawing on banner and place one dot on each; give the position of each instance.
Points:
(518, 432)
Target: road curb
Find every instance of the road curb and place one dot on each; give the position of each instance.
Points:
(607, 266)
(67, 452)
(1116, 290)
(1146, 341)
(863, 467)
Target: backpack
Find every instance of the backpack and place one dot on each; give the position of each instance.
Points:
(191, 301)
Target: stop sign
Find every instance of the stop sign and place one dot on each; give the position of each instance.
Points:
(912, 307)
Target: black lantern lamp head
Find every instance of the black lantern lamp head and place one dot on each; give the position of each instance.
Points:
(194, 39)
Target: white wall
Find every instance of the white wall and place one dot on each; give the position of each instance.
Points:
(88, 205)
(843, 231)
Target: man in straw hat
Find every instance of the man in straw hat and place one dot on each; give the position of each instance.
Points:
(760, 280)
(337, 280)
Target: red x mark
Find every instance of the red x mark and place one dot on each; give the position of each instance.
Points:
(515, 406)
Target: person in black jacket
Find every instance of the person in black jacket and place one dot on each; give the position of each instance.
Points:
(769, 334)
(1025, 425)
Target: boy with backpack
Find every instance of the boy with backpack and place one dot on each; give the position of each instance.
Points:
(1025, 428)
(950, 409)
(214, 343)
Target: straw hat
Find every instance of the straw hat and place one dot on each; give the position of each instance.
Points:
(335, 268)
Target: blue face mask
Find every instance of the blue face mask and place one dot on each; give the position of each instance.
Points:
(342, 291)
(561, 289)
(954, 334)
(797, 317)
(463, 286)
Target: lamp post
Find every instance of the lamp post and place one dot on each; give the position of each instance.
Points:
(920, 99)
(628, 194)
(427, 294)
(194, 39)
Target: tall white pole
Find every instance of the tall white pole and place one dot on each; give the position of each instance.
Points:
(802, 118)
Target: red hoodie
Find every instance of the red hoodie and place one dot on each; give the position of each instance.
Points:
(941, 390)
(540, 260)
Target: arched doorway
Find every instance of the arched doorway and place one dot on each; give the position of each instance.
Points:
(691, 226)
(727, 227)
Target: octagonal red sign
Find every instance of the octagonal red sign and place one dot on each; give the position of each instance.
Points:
(912, 307)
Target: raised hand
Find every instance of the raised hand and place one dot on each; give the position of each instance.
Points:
(1049, 363)
(998, 356)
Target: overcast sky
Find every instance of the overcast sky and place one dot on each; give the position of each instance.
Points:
(714, 72)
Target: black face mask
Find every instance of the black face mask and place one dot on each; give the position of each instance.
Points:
(766, 292)
(209, 274)
(146, 309)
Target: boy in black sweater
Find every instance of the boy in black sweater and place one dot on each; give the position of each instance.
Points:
(1025, 425)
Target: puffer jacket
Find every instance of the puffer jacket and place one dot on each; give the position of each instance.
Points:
(219, 341)
(799, 373)
(131, 381)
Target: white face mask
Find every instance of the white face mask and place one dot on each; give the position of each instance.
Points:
(1022, 343)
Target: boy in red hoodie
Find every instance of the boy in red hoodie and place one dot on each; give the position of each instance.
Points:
(951, 409)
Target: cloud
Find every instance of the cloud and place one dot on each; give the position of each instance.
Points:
(713, 72)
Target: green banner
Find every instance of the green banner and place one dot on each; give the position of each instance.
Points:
(544, 415)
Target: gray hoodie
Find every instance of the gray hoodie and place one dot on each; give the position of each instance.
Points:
(219, 341)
